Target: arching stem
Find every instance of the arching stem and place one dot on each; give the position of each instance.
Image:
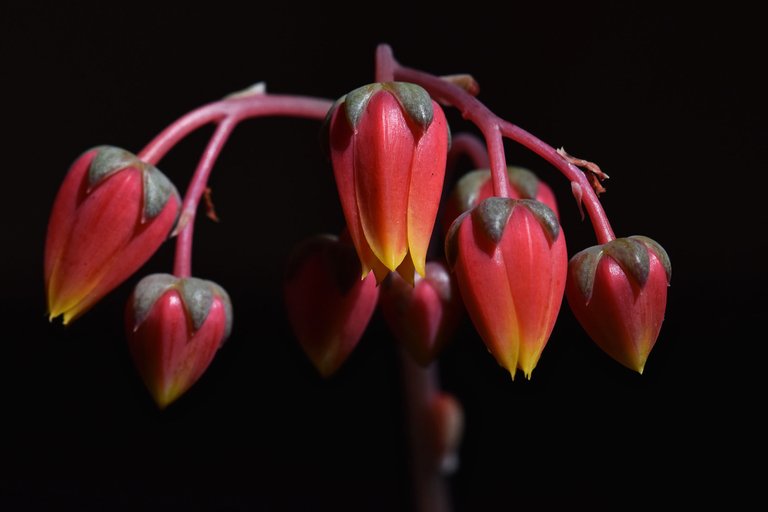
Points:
(493, 128)
(226, 114)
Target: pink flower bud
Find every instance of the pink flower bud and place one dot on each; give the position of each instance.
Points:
(175, 326)
(328, 305)
(476, 186)
(422, 316)
(111, 214)
(618, 292)
(510, 260)
(389, 144)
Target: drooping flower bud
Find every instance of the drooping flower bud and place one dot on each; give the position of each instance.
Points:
(174, 328)
(328, 305)
(476, 186)
(389, 144)
(510, 259)
(111, 214)
(422, 316)
(618, 292)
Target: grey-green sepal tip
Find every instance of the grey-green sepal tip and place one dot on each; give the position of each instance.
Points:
(492, 216)
(630, 253)
(157, 188)
(414, 99)
(196, 294)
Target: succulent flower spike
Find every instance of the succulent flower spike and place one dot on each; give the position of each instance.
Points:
(111, 214)
(475, 186)
(328, 305)
(510, 259)
(422, 316)
(174, 327)
(389, 144)
(618, 292)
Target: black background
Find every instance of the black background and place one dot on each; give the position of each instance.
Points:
(666, 101)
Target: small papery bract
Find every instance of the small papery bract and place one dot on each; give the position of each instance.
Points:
(175, 327)
(476, 186)
(510, 260)
(389, 144)
(618, 293)
(110, 215)
(425, 315)
(328, 304)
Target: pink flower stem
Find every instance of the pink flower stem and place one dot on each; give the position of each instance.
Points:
(182, 265)
(226, 114)
(256, 105)
(600, 223)
(468, 105)
(493, 128)
(420, 386)
(471, 146)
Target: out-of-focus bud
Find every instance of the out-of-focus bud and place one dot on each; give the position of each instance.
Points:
(447, 418)
(618, 292)
(510, 259)
(111, 214)
(174, 327)
(389, 144)
(328, 305)
(476, 186)
(422, 316)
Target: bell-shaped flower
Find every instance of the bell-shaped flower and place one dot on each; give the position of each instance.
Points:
(476, 186)
(174, 328)
(327, 303)
(510, 259)
(388, 145)
(110, 215)
(425, 315)
(618, 293)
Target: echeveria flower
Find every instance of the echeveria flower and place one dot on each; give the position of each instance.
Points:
(111, 214)
(618, 292)
(174, 327)
(510, 259)
(328, 305)
(389, 144)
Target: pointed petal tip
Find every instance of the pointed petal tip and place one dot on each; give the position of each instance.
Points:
(162, 403)
(326, 367)
(66, 316)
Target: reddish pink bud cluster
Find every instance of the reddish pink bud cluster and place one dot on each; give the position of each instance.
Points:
(507, 261)
(388, 145)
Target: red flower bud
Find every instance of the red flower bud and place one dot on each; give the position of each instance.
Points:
(422, 316)
(510, 259)
(111, 214)
(618, 292)
(476, 186)
(328, 305)
(175, 326)
(389, 143)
